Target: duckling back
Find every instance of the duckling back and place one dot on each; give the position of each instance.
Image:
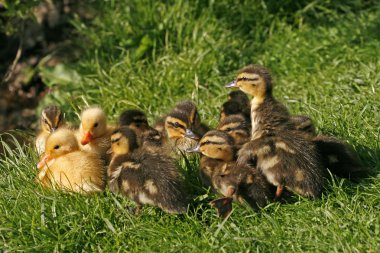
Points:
(149, 179)
(77, 171)
(286, 159)
(339, 158)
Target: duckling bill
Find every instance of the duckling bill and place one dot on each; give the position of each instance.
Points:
(94, 132)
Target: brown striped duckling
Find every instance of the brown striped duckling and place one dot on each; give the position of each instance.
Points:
(284, 155)
(189, 108)
(145, 177)
(136, 120)
(219, 170)
(303, 123)
(64, 166)
(183, 126)
(94, 132)
(237, 127)
(237, 103)
(51, 119)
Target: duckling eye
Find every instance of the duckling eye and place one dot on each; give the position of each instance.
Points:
(228, 129)
(222, 175)
(176, 125)
(56, 147)
(96, 124)
(46, 122)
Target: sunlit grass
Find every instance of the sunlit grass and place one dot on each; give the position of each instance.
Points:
(147, 54)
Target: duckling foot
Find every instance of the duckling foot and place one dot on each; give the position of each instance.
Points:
(223, 206)
(279, 191)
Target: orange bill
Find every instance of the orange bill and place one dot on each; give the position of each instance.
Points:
(44, 160)
(87, 138)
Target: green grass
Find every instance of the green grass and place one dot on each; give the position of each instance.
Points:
(144, 54)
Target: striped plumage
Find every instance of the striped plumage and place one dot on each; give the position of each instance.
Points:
(219, 170)
(286, 157)
(143, 176)
(50, 120)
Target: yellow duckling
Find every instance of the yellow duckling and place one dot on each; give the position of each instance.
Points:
(51, 119)
(94, 132)
(64, 166)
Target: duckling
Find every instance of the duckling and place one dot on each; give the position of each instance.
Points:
(64, 166)
(94, 132)
(136, 120)
(51, 119)
(237, 127)
(284, 155)
(219, 170)
(240, 97)
(189, 108)
(339, 157)
(152, 141)
(238, 103)
(243, 183)
(231, 108)
(303, 123)
(143, 176)
(183, 126)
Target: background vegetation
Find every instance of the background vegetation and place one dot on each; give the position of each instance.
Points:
(324, 56)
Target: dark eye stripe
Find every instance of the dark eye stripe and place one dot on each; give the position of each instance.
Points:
(247, 79)
(179, 125)
(212, 142)
(48, 123)
(115, 140)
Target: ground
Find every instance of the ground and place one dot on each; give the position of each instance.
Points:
(325, 63)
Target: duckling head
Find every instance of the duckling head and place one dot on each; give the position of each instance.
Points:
(226, 181)
(254, 80)
(178, 126)
(123, 141)
(238, 96)
(230, 108)
(217, 145)
(59, 143)
(51, 118)
(133, 118)
(190, 109)
(93, 124)
(237, 127)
